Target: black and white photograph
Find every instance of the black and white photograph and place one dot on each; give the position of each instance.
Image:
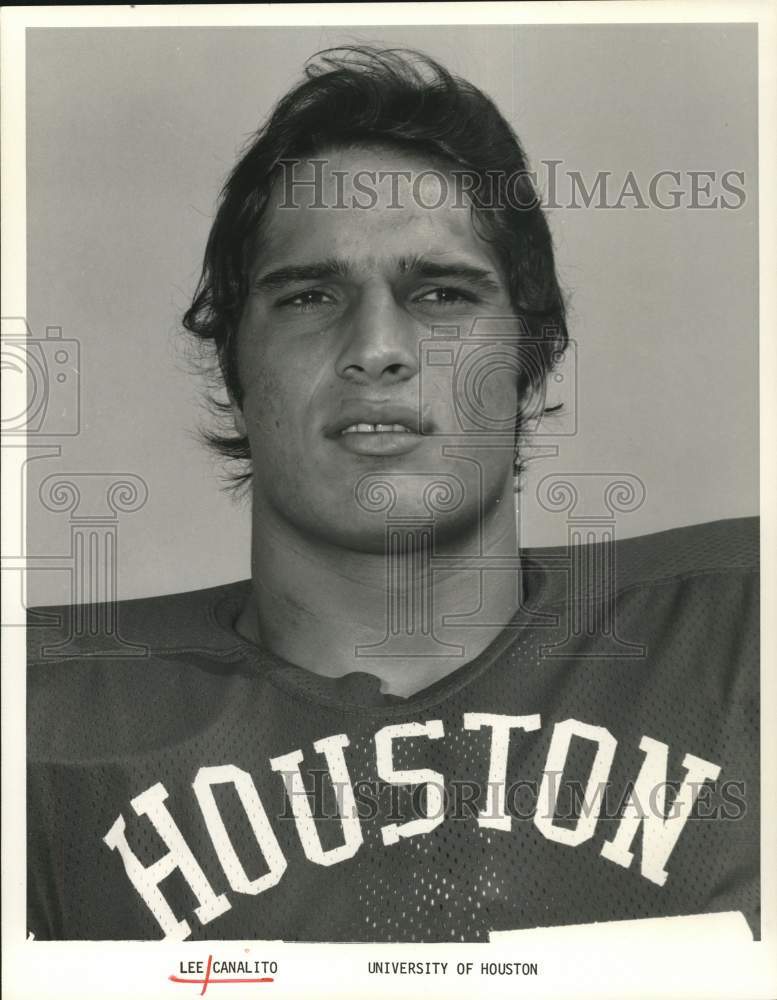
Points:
(386, 486)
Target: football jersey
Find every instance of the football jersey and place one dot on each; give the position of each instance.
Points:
(598, 761)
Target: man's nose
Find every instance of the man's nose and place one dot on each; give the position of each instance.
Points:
(380, 342)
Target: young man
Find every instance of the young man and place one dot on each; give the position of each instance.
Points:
(403, 727)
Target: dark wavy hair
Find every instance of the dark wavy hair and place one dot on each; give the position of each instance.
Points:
(383, 97)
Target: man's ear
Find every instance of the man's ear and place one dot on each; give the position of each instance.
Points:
(237, 416)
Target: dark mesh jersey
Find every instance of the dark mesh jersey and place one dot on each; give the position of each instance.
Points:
(628, 681)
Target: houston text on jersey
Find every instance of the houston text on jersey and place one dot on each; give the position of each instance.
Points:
(645, 809)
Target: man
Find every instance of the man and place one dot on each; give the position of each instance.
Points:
(403, 727)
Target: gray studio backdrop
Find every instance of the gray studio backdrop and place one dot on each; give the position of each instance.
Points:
(131, 132)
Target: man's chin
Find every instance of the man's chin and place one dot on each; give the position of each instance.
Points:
(382, 512)
(398, 535)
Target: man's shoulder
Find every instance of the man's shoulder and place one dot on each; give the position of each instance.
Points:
(108, 680)
(141, 626)
(722, 550)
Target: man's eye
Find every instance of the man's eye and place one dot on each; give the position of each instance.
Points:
(445, 296)
(305, 301)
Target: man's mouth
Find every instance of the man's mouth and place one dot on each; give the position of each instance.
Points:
(376, 429)
(363, 416)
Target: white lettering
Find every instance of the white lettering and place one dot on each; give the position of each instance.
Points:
(146, 879)
(660, 834)
(433, 780)
(288, 766)
(493, 817)
(597, 779)
(257, 817)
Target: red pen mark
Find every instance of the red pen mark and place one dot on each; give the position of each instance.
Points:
(208, 981)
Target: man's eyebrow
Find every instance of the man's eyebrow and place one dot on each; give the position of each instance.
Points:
(479, 276)
(422, 267)
(291, 273)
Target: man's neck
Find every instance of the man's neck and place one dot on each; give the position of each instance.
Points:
(410, 617)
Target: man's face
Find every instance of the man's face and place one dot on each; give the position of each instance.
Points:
(332, 364)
